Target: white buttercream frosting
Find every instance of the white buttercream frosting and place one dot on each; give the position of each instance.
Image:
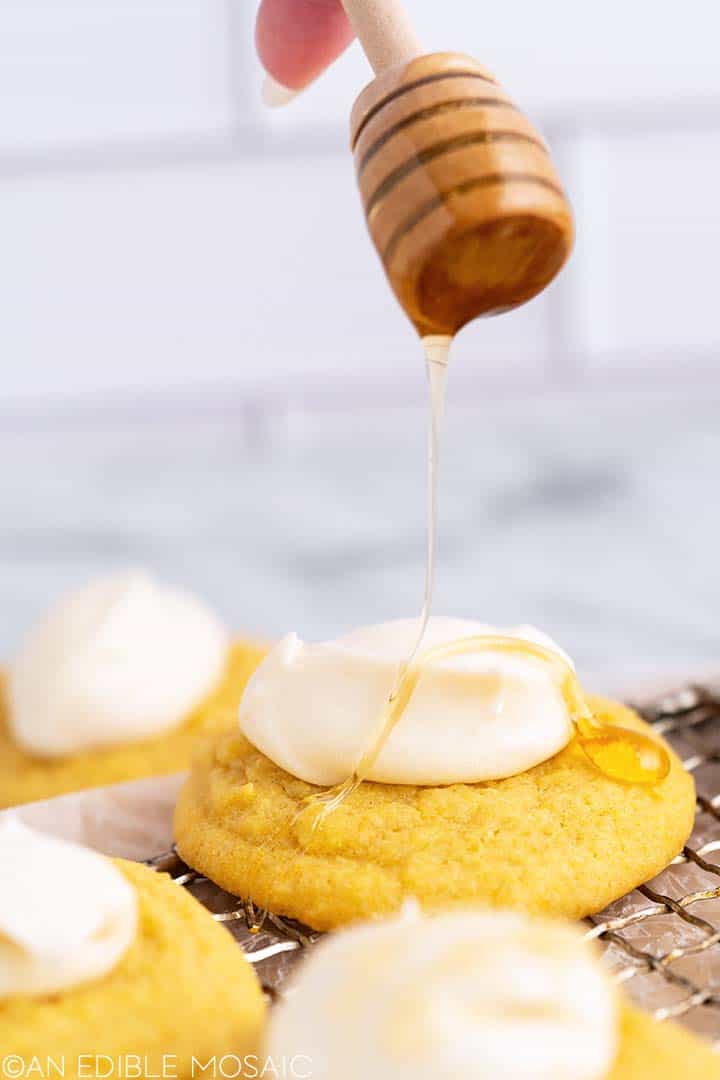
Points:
(313, 709)
(466, 994)
(67, 915)
(120, 660)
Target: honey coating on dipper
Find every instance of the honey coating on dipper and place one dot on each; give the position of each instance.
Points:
(623, 755)
(461, 197)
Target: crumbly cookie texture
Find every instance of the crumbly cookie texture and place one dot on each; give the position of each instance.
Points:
(183, 989)
(653, 1051)
(24, 777)
(560, 839)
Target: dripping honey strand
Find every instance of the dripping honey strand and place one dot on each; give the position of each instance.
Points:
(620, 753)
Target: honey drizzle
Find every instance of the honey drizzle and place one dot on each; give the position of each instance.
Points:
(620, 753)
(436, 349)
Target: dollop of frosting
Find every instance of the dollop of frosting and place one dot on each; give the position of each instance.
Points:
(120, 660)
(488, 994)
(314, 709)
(58, 935)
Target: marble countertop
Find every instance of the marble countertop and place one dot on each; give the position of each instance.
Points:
(596, 519)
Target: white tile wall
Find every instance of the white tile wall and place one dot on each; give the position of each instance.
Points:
(79, 72)
(251, 265)
(564, 56)
(245, 271)
(558, 58)
(645, 276)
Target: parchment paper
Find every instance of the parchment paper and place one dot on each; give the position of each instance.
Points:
(134, 821)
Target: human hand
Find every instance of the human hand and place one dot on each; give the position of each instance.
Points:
(296, 40)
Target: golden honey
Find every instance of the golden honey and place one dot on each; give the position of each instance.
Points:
(619, 753)
(461, 197)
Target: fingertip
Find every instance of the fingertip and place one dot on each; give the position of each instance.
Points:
(275, 95)
(297, 39)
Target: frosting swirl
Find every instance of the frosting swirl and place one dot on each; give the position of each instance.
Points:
(120, 660)
(54, 939)
(313, 709)
(488, 994)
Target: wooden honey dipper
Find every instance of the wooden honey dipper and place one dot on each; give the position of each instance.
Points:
(461, 197)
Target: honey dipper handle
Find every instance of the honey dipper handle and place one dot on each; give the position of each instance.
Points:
(384, 30)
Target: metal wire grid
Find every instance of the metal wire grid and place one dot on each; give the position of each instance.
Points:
(662, 939)
(272, 944)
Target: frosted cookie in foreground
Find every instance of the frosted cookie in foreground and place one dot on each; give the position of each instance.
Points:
(494, 996)
(491, 785)
(110, 957)
(115, 684)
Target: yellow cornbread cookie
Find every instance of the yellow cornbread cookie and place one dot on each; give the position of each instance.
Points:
(653, 1051)
(25, 777)
(559, 839)
(183, 989)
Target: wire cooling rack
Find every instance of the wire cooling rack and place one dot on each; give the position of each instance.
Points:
(662, 940)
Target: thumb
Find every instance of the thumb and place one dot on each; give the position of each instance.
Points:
(297, 39)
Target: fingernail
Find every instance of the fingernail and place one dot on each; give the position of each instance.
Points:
(275, 95)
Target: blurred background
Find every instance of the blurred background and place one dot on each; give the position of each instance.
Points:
(204, 371)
